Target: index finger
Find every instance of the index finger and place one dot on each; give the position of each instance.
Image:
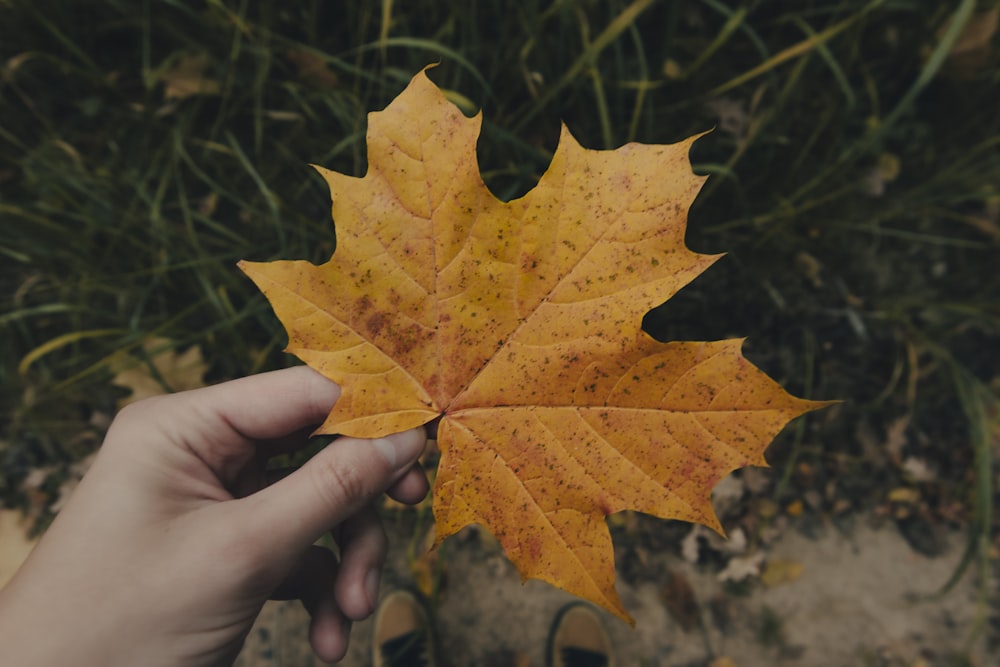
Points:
(225, 423)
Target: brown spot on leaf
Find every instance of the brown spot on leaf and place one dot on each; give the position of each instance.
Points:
(375, 324)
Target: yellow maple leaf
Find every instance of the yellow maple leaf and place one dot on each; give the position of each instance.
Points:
(519, 325)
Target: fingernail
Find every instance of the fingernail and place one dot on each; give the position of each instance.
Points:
(371, 587)
(401, 449)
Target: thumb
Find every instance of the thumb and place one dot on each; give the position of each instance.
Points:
(333, 485)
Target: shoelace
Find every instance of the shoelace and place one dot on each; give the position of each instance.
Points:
(578, 657)
(409, 650)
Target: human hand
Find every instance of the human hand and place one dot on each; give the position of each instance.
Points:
(177, 535)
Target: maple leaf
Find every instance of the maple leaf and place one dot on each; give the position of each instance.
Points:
(519, 325)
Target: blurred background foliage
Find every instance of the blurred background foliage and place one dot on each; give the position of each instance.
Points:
(146, 147)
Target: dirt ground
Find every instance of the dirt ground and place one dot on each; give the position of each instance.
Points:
(849, 600)
(836, 598)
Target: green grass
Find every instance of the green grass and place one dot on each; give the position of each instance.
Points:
(124, 214)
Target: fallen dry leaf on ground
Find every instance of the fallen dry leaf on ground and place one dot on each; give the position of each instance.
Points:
(519, 325)
(186, 77)
(971, 52)
(312, 68)
(162, 371)
(780, 572)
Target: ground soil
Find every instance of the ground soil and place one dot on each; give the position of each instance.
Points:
(853, 604)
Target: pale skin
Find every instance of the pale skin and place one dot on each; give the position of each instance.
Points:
(177, 535)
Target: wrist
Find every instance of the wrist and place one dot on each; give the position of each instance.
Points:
(41, 626)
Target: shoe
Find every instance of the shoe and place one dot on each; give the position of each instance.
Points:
(578, 639)
(402, 635)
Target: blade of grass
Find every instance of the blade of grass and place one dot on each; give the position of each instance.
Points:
(595, 77)
(639, 106)
(734, 22)
(44, 309)
(626, 18)
(269, 197)
(831, 63)
(383, 35)
(63, 39)
(976, 401)
(15, 255)
(805, 46)
(744, 27)
(426, 45)
(809, 349)
(930, 69)
(958, 20)
(917, 237)
(60, 342)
